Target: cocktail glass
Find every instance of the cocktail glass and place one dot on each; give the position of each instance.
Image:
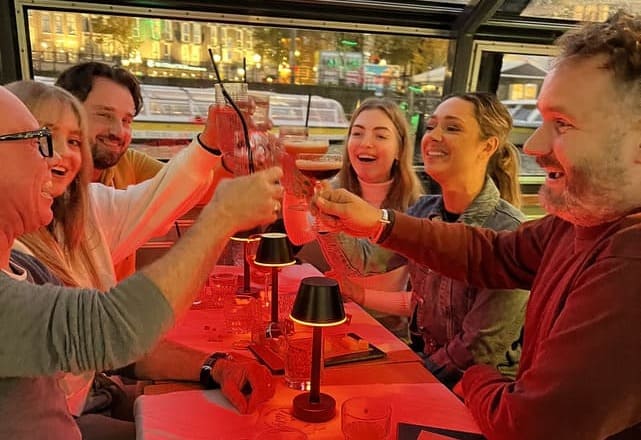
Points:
(318, 167)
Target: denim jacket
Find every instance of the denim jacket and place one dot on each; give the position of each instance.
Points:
(462, 325)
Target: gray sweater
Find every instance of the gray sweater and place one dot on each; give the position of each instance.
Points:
(49, 329)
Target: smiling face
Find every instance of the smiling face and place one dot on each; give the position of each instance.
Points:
(587, 144)
(67, 142)
(110, 109)
(452, 147)
(25, 181)
(373, 145)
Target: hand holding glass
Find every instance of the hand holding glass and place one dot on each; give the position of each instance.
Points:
(317, 167)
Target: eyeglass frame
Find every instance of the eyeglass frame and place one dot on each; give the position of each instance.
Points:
(33, 134)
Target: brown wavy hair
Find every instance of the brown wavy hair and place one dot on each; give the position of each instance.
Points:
(406, 187)
(494, 120)
(618, 40)
(79, 79)
(63, 244)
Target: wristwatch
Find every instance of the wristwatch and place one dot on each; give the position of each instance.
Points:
(387, 217)
(206, 380)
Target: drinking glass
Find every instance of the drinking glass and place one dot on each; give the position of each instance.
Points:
(366, 418)
(239, 313)
(220, 285)
(281, 433)
(298, 359)
(318, 167)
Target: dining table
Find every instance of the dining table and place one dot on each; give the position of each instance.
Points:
(174, 410)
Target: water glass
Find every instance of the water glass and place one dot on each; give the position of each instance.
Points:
(298, 360)
(219, 286)
(239, 313)
(366, 418)
(281, 433)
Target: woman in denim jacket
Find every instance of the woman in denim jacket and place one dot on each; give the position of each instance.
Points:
(454, 325)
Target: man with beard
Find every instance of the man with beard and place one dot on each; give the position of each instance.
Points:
(580, 370)
(111, 97)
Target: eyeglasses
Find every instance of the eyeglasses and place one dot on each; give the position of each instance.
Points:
(43, 136)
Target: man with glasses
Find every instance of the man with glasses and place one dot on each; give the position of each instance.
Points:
(48, 329)
(42, 137)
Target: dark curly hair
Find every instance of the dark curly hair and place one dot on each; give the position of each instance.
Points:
(618, 39)
(78, 80)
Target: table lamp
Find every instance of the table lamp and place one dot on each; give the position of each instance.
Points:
(275, 251)
(318, 304)
(246, 237)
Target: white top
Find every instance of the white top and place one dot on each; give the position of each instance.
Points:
(120, 221)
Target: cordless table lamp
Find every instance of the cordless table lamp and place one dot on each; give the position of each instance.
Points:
(246, 237)
(318, 304)
(275, 251)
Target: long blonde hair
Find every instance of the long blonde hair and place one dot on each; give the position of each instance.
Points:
(406, 187)
(64, 243)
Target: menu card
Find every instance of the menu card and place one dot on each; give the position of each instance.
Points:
(409, 431)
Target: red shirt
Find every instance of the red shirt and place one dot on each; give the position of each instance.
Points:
(580, 370)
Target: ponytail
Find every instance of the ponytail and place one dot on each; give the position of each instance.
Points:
(503, 168)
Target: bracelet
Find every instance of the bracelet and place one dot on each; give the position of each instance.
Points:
(385, 226)
(214, 151)
(206, 380)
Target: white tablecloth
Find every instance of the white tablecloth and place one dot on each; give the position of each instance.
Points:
(197, 415)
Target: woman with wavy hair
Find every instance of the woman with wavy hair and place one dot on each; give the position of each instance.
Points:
(466, 150)
(377, 165)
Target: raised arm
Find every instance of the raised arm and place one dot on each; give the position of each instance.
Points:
(480, 257)
(47, 329)
(129, 218)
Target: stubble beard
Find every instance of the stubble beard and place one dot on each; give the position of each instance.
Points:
(104, 158)
(594, 192)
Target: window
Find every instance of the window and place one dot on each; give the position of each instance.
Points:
(86, 25)
(197, 29)
(135, 32)
(185, 36)
(213, 35)
(167, 30)
(155, 30)
(57, 19)
(155, 50)
(184, 54)
(166, 51)
(71, 24)
(195, 55)
(45, 20)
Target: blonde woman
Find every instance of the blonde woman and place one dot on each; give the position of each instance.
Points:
(95, 226)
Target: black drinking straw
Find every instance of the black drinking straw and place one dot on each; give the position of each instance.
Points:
(237, 110)
(244, 70)
(309, 103)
